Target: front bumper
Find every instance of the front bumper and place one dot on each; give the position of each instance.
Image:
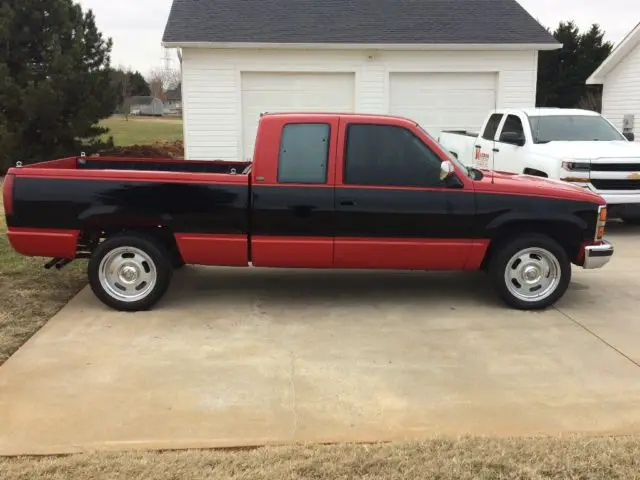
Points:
(597, 256)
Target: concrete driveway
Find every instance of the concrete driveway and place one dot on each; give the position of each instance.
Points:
(246, 357)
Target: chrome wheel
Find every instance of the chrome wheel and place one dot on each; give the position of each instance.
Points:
(127, 274)
(532, 274)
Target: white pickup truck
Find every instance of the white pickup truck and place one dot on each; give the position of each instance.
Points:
(577, 146)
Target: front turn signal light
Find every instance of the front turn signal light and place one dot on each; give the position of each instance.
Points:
(602, 216)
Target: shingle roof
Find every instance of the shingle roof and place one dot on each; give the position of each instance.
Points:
(354, 21)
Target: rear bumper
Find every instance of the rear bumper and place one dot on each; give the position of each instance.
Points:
(597, 256)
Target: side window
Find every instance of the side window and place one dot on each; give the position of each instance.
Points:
(512, 128)
(492, 126)
(385, 155)
(304, 153)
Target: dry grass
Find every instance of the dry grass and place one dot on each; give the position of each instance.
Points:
(29, 294)
(467, 458)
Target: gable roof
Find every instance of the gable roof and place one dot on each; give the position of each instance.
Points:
(628, 43)
(362, 22)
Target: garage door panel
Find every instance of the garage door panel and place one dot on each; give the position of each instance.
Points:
(291, 92)
(443, 101)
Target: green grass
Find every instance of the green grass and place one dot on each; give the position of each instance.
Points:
(143, 130)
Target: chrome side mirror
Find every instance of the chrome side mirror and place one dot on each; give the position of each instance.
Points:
(446, 169)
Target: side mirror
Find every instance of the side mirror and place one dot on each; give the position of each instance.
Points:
(512, 138)
(446, 169)
(629, 136)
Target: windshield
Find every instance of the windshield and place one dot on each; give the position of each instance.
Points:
(572, 128)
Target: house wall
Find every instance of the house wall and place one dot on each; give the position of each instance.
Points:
(621, 94)
(212, 83)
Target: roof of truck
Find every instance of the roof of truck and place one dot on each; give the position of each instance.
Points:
(533, 112)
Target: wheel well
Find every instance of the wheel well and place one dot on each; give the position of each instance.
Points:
(566, 234)
(90, 239)
(534, 172)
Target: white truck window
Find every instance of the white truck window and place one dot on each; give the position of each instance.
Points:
(572, 128)
(512, 128)
(492, 126)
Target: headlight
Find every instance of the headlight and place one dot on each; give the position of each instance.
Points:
(576, 165)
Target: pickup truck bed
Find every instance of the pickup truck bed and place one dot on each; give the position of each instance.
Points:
(323, 191)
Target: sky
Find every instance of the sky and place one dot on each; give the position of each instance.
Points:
(136, 26)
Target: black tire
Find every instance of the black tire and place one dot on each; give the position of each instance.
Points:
(508, 249)
(153, 250)
(631, 220)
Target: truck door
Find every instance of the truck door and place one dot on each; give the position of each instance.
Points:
(393, 211)
(509, 149)
(293, 192)
(485, 145)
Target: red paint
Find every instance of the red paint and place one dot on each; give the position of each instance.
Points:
(41, 242)
(293, 252)
(530, 186)
(409, 254)
(136, 175)
(7, 194)
(221, 250)
(477, 252)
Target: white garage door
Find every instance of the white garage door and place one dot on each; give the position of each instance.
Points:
(291, 92)
(443, 101)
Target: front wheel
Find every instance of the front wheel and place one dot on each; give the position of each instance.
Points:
(530, 272)
(130, 272)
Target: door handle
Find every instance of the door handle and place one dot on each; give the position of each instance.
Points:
(496, 150)
(348, 203)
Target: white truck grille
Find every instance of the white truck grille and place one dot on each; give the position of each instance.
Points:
(615, 174)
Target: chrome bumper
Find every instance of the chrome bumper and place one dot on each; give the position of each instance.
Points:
(597, 256)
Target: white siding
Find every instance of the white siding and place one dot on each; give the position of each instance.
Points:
(212, 81)
(622, 91)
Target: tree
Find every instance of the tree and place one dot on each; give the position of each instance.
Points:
(562, 73)
(163, 79)
(55, 84)
(128, 84)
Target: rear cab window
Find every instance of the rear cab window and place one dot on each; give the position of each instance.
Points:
(304, 153)
(492, 126)
(295, 149)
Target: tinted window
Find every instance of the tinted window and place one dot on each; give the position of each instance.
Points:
(304, 152)
(492, 127)
(572, 128)
(512, 125)
(389, 156)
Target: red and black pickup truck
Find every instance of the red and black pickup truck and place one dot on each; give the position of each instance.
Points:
(323, 191)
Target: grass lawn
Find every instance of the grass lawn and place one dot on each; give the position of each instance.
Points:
(143, 130)
(30, 295)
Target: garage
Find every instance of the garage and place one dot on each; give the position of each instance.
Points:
(443, 101)
(291, 92)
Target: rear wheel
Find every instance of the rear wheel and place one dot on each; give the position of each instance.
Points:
(530, 272)
(130, 272)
